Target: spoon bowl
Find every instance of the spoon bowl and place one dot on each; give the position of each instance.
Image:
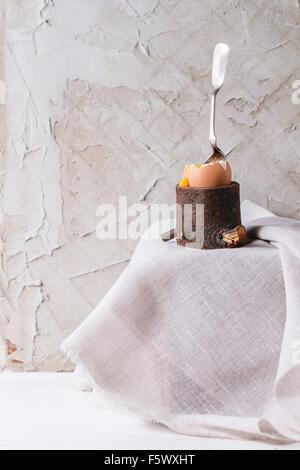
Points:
(217, 156)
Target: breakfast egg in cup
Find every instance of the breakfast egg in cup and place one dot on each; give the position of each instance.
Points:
(208, 208)
(210, 175)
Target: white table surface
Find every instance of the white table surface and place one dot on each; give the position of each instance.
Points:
(43, 411)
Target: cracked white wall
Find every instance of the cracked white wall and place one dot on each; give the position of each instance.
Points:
(109, 98)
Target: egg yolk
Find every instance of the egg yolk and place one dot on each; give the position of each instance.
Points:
(183, 183)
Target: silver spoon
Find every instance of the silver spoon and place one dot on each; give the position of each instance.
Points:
(218, 74)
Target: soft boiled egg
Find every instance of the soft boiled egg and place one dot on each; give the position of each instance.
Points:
(209, 175)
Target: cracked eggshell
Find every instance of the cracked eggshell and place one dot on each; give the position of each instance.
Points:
(210, 176)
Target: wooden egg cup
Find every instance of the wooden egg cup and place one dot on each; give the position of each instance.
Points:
(208, 218)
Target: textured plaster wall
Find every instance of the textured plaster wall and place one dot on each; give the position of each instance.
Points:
(109, 98)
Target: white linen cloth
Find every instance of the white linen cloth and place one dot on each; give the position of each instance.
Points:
(204, 342)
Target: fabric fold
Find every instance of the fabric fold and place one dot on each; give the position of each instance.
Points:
(203, 341)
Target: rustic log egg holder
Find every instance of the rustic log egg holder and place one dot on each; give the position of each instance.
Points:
(208, 218)
(208, 214)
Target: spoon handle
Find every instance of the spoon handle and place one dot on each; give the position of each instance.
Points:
(219, 65)
(212, 132)
(218, 75)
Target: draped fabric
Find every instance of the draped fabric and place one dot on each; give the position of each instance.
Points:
(204, 342)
